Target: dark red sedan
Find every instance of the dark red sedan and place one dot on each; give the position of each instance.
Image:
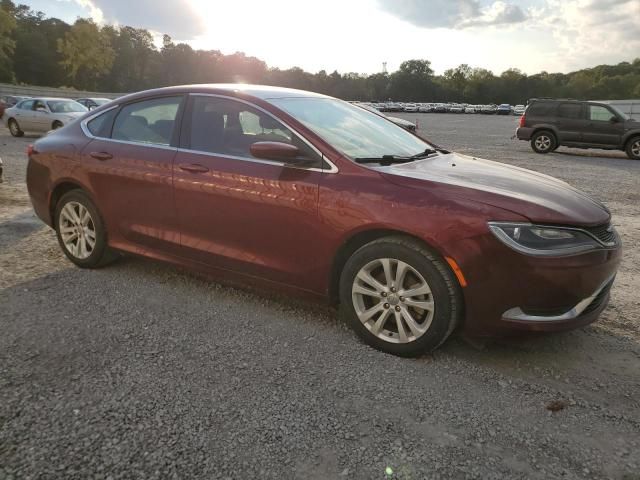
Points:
(310, 195)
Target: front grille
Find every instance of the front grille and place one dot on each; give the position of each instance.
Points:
(599, 300)
(605, 233)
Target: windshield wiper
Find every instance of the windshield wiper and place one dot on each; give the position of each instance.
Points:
(386, 160)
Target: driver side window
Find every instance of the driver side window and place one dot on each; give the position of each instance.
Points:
(228, 127)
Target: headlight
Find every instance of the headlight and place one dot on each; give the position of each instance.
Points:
(541, 240)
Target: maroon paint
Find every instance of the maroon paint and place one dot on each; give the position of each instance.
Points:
(282, 227)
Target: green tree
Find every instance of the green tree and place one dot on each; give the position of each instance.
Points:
(7, 43)
(86, 53)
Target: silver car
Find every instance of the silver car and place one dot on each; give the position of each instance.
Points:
(41, 115)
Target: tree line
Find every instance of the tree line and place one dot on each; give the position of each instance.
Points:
(37, 50)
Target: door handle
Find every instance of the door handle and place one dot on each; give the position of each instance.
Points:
(101, 155)
(194, 168)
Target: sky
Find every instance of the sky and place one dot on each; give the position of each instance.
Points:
(359, 35)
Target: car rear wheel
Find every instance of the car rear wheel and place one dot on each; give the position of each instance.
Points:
(543, 142)
(81, 231)
(14, 128)
(633, 148)
(399, 297)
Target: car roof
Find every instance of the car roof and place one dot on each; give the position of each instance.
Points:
(47, 99)
(263, 92)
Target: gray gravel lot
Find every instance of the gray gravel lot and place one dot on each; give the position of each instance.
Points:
(140, 370)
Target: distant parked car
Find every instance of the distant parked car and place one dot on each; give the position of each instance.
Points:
(406, 124)
(470, 109)
(548, 124)
(518, 110)
(8, 101)
(456, 108)
(410, 107)
(41, 115)
(504, 109)
(488, 109)
(440, 108)
(92, 103)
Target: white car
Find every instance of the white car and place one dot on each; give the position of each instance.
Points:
(410, 107)
(519, 110)
(470, 109)
(41, 115)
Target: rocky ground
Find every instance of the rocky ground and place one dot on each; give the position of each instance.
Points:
(139, 370)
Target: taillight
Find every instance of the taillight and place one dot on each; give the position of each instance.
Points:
(521, 121)
(30, 150)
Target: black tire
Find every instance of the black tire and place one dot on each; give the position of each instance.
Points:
(633, 148)
(445, 294)
(543, 141)
(100, 254)
(56, 125)
(14, 128)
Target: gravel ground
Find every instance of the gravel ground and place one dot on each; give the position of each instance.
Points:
(140, 370)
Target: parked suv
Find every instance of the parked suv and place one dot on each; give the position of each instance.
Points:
(549, 123)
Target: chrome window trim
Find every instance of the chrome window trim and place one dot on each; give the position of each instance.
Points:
(517, 314)
(332, 166)
(332, 169)
(251, 159)
(495, 228)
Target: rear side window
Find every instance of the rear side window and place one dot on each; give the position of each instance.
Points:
(149, 121)
(570, 110)
(26, 105)
(541, 109)
(101, 125)
(600, 113)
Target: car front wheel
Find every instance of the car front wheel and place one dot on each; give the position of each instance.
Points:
(81, 231)
(14, 128)
(543, 142)
(399, 297)
(56, 125)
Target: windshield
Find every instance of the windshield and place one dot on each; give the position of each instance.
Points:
(65, 106)
(619, 112)
(356, 132)
(100, 101)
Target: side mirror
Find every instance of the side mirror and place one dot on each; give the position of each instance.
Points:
(279, 151)
(614, 119)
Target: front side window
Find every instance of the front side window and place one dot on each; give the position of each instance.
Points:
(148, 121)
(39, 104)
(600, 113)
(356, 132)
(570, 110)
(228, 127)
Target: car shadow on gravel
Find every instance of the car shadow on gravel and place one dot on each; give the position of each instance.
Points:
(17, 228)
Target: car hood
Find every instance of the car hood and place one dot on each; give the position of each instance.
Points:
(536, 196)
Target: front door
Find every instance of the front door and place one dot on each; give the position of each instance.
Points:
(130, 170)
(604, 126)
(238, 212)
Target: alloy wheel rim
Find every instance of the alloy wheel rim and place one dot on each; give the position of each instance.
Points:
(635, 148)
(393, 300)
(77, 230)
(13, 127)
(543, 142)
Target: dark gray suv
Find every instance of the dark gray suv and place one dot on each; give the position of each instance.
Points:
(548, 123)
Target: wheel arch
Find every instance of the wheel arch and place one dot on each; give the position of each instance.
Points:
(628, 137)
(546, 128)
(59, 190)
(360, 239)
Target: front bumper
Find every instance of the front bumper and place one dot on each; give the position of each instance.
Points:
(508, 292)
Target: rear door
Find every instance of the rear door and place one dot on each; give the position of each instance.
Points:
(24, 114)
(604, 126)
(129, 163)
(571, 121)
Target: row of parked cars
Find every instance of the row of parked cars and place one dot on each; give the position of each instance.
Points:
(502, 109)
(41, 114)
